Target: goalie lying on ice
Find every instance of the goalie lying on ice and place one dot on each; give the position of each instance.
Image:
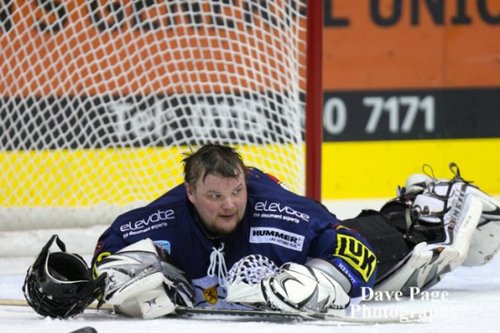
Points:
(284, 251)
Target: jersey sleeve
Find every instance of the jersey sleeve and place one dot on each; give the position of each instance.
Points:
(109, 242)
(142, 222)
(128, 228)
(350, 253)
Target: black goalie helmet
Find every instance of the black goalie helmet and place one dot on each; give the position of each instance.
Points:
(60, 284)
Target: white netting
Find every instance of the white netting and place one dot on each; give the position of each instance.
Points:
(252, 269)
(99, 99)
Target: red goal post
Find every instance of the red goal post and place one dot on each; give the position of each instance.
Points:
(99, 99)
(314, 101)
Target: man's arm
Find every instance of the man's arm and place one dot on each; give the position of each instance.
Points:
(340, 266)
(350, 256)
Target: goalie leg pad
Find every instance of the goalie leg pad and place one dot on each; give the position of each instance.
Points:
(484, 245)
(486, 238)
(428, 262)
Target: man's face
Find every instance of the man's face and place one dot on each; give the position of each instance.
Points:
(220, 201)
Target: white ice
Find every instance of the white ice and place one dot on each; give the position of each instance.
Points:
(466, 300)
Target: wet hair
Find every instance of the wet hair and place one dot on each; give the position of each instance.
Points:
(212, 159)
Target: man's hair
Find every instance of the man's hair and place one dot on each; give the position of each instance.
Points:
(212, 159)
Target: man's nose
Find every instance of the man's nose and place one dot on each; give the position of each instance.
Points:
(228, 203)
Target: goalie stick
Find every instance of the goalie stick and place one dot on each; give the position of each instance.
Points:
(304, 316)
(271, 315)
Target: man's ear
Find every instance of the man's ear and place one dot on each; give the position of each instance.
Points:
(190, 191)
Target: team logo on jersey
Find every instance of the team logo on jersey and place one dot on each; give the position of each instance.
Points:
(277, 236)
(155, 220)
(356, 254)
(211, 295)
(276, 210)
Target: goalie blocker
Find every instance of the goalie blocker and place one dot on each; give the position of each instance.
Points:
(140, 282)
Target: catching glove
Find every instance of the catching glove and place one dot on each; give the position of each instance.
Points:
(298, 288)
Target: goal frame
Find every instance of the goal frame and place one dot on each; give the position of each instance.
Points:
(82, 223)
(314, 98)
(43, 151)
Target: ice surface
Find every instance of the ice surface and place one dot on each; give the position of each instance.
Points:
(467, 300)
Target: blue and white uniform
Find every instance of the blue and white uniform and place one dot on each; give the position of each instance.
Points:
(277, 223)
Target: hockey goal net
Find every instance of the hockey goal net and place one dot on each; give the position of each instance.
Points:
(100, 99)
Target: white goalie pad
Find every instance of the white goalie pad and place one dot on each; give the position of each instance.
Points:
(428, 262)
(135, 281)
(485, 244)
(486, 239)
(151, 304)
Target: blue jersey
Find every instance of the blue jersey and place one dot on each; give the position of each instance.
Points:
(277, 223)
